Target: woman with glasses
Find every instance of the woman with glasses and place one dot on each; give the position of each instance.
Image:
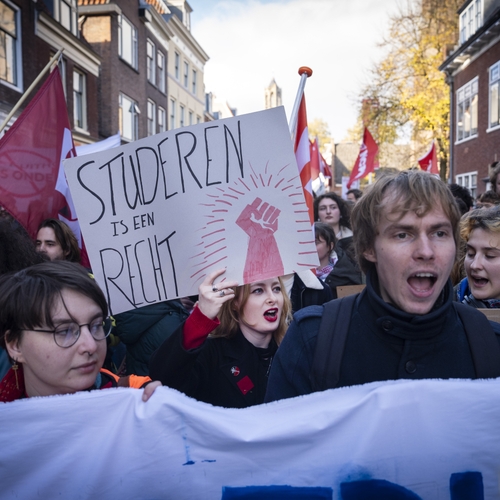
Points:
(54, 323)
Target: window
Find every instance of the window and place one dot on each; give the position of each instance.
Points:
(494, 95)
(160, 62)
(161, 120)
(471, 20)
(127, 41)
(79, 100)
(172, 113)
(190, 118)
(194, 81)
(10, 44)
(467, 110)
(177, 65)
(186, 74)
(65, 11)
(151, 117)
(150, 61)
(129, 118)
(182, 113)
(468, 180)
(198, 119)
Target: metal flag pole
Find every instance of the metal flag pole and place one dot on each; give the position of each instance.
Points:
(304, 73)
(30, 88)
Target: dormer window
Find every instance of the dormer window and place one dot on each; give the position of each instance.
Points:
(471, 19)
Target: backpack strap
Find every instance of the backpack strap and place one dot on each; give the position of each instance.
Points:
(332, 334)
(482, 339)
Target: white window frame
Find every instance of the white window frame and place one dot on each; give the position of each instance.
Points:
(177, 65)
(160, 65)
(198, 119)
(70, 22)
(186, 74)
(190, 115)
(151, 117)
(124, 25)
(182, 115)
(150, 61)
(128, 105)
(194, 81)
(471, 19)
(173, 114)
(162, 118)
(468, 180)
(494, 97)
(467, 110)
(15, 79)
(80, 100)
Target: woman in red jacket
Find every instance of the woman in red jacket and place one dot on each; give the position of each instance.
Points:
(230, 367)
(54, 323)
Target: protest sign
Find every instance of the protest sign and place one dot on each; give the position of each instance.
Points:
(160, 213)
(427, 439)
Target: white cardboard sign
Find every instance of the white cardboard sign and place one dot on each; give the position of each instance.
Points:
(158, 214)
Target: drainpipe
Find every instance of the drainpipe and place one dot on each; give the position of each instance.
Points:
(450, 82)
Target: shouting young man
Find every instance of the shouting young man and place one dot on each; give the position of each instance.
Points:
(405, 323)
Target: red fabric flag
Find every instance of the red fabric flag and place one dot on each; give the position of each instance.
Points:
(303, 156)
(33, 186)
(314, 152)
(428, 162)
(365, 163)
(324, 168)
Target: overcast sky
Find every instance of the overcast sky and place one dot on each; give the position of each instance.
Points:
(250, 42)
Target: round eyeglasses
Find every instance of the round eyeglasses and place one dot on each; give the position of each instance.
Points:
(68, 334)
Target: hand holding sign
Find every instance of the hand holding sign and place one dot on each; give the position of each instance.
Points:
(260, 221)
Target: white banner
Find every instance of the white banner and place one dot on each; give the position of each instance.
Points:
(158, 214)
(399, 440)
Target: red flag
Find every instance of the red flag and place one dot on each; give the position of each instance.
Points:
(314, 152)
(365, 163)
(318, 163)
(303, 156)
(33, 186)
(428, 162)
(324, 168)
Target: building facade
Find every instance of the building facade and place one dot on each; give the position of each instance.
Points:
(186, 66)
(31, 33)
(473, 73)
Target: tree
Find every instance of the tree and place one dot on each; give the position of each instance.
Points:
(407, 94)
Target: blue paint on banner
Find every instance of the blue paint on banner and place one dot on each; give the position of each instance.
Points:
(375, 489)
(466, 486)
(276, 493)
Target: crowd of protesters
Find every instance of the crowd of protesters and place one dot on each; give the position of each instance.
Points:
(238, 346)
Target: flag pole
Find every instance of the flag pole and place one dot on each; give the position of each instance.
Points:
(30, 88)
(304, 73)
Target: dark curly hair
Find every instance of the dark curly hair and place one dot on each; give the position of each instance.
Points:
(345, 213)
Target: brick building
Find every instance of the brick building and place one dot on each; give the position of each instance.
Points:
(473, 73)
(31, 33)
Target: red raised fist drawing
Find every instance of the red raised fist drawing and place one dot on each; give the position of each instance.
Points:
(260, 221)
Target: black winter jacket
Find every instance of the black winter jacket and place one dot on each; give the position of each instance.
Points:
(143, 330)
(223, 372)
(383, 343)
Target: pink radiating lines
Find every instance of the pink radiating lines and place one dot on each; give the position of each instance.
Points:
(214, 241)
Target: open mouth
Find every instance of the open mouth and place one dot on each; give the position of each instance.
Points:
(478, 281)
(422, 282)
(271, 314)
